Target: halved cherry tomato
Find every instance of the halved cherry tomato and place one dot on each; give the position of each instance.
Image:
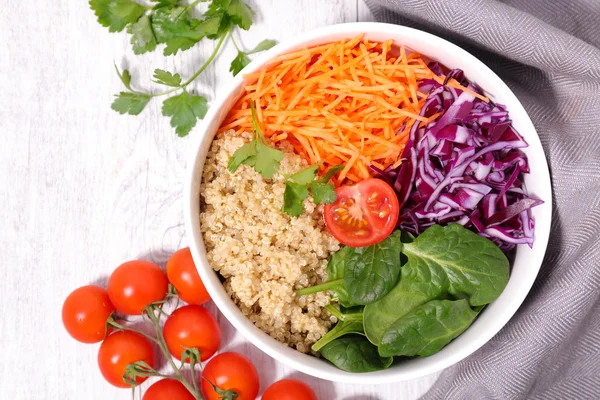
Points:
(120, 349)
(289, 389)
(192, 326)
(230, 372)
(167, 389)
(135, 285)
(182, 274)
(363, 214)
(85, 312)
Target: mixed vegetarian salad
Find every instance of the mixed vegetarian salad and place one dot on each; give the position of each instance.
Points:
(360, 201)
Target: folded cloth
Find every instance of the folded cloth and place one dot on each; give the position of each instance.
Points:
(548, 52)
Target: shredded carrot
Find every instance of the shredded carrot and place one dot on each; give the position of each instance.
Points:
(351, 102)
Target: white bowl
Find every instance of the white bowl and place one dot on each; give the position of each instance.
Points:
(527, 261)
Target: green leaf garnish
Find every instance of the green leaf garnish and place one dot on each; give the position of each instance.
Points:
(242, 154)
(330, 173)
(142, 36)
(267, 160)
(293, 196)
(305, 176)
(323, 193)
(238, 63)
(240, 13)
(166, 78)
(125, 77)
(116, 14)
(130, 103)
(184, 110)
(262, 46)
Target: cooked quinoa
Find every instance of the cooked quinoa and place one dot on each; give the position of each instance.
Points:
(263, 253)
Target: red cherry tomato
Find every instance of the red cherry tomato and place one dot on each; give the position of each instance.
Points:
(167, 389)
(230, 372)
(192, 326)
(363, 214)
(85, 312)
(182, 274)
(120, 349)
(136, 284)
(289, 389)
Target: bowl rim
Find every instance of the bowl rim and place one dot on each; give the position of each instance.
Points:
(262, 340)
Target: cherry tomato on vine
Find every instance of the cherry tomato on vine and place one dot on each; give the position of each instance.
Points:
(182, 274)
(192, 326)
(136, 284)
(167, 389)
(120, 349)
(230, 372)
(289, 389)
(85, 312)
(363, 214)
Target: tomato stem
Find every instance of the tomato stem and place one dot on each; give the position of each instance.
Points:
(160, 340)
(112, 322)
(224, 394)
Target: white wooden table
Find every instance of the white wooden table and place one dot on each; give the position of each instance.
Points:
(84, 189)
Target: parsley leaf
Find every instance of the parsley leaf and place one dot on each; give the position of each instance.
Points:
(241, 155)
(267, 160)
(238, 63)
(240, 13)
(208, 26)
(116, 14)
(257, 153)
(130, 103)
(305, 176)
(142, 37)
(293, 196)
(184, 110)
(167, 78)
(169, 23)
(125, 77)
(330, 173)
(323, 193)
(262, 46)
(178, 43)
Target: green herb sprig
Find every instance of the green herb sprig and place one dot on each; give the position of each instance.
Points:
(170, 22)
(265, 160)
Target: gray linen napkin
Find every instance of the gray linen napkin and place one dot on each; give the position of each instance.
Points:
(548, 52)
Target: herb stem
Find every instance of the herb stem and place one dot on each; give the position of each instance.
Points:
(208, 61)
(165, 93)
(234, 42)
(320, 288)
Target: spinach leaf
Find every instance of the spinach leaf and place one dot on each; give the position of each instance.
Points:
(427, 329)
(457, 261)
(378, 316)
(371, 272)
(335, 279)
(355, 353)
(349, 321)
(423, 280)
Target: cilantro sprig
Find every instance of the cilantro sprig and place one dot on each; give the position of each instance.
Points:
(298, 185)
(265, 160)
(256, 153)
(171, 22)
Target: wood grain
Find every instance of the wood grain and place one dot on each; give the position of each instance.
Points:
(84, 189)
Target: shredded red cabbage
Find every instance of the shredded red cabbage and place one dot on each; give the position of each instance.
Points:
(464, 167)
